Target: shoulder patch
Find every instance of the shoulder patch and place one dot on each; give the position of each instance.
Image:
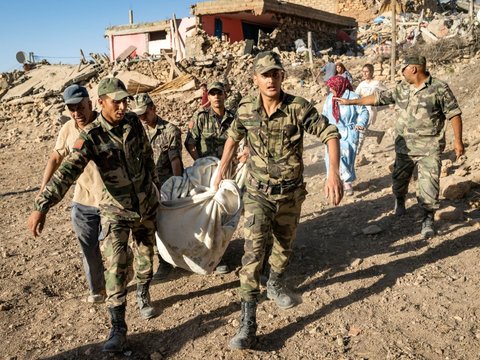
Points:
(78, 144)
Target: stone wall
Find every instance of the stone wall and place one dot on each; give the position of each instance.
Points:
(325, 5)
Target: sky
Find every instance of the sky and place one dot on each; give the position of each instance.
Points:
(57, 29)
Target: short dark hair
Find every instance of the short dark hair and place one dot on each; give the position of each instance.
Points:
(369, 67)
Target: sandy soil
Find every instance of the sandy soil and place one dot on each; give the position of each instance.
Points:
(390, 295)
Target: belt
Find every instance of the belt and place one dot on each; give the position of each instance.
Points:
(277, 189)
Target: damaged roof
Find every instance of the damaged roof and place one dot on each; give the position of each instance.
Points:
(145, 27)
(260, 7)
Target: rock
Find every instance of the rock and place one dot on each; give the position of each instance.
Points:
(156, 356)
(449, 213)
(355, 263)
(372, 230)
(454, 187)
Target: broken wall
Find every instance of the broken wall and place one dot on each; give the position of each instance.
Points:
(325, 5)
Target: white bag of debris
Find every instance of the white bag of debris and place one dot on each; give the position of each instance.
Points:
(194, 222)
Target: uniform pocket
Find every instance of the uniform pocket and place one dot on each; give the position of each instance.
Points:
(250, 221)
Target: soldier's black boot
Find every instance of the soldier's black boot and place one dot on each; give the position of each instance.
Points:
(278, 292)
(246, 336)
(164, 269)
(399, 206)
(117, 340)
(143, 300)
(427, 225)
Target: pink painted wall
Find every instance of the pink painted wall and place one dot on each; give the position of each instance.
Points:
(233, 27)
(121, 42)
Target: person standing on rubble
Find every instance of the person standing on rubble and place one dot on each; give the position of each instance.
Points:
(166, 142)
(341, 70)
(116, 142)
(367, 87)
(273, 124)
(85, 213)
(423, 103)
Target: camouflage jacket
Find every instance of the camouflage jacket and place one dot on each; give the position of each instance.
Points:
(124, 160)
(209, 133)
(421, 113)
(276, 142)
(166, 145)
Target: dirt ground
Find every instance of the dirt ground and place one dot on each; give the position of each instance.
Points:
(390, 295)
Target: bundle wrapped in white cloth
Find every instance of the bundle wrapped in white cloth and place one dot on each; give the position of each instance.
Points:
(194, 222)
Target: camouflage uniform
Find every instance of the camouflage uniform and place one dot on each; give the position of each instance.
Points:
(420, 135)
(124, 159)
(209, 133)
(275, 188)
(167, 145)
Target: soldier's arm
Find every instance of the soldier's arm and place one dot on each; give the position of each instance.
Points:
(175, 151)
(457, 126)
(229, 150)
(367, 100)
(69, 171)
(193, 137)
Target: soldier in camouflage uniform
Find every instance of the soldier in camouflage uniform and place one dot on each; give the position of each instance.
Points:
(423, 103)
(209, 132)
(116, 142)
(166, 142)
(273, 124)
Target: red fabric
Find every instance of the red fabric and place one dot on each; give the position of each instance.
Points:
(339, 84)
(204, 97)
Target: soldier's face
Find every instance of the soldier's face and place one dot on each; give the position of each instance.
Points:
(81, 112)
(148, 117)
(216, 98)
(113, 110)
(269, 83)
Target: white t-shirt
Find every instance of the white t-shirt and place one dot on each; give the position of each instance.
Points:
(368, 87)
(89, 187)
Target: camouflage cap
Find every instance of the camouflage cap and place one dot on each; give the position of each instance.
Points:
(114, 88)
(216, 85)
(140, 103)
(413, 60)
(266, 61)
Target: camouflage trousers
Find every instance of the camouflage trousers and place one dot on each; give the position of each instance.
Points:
(268, 219)
(428, 182)
(114, 246)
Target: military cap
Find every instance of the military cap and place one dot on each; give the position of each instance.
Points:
(216, 85)
(114, 88)
(266, 61)
(413, 60)
(140, 103)
(74, 94)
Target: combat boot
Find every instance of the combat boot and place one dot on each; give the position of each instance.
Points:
(399, 206)
(246, 336)
(427, 225)
(164, 269)
(117, 340)
(277, 291)
(143, 300)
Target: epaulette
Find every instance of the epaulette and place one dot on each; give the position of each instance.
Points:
(246, 99)
(93, 125)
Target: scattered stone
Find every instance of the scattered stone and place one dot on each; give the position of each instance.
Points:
(372, 230)
(454, 187)
(450, 213)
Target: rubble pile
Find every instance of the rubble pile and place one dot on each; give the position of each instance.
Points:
(431, 32)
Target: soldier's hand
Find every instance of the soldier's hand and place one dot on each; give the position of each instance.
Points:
(341, 100)
(216, 183)
(244, 155)
(35, 222)
(459, 148)
(334, 189)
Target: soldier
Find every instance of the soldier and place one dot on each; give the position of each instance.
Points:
(116, 142)
(423, 103)
(88, 189)
(273, 124)
(209, 133)
(166, 142)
